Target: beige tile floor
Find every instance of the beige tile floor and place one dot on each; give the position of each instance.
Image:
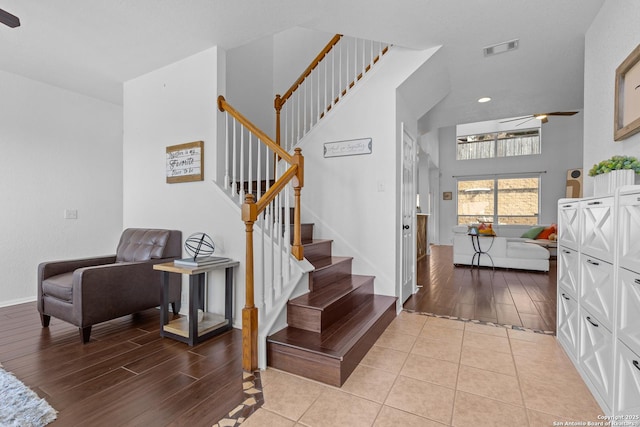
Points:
(427, 371)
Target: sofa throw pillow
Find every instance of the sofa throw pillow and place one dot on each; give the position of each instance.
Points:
(532, 233)
(544, 234)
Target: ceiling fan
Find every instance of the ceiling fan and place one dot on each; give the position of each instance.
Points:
(543, 117)
(8, 19)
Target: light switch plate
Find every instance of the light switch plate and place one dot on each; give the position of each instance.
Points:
(70, 214)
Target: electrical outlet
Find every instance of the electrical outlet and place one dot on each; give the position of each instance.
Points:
(70, 214)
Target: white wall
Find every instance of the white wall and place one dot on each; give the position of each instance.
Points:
(354, 199)
(561, 150)
(174, 105)
(293, 51)
(61, 150)
(610, 39)
(250, 82)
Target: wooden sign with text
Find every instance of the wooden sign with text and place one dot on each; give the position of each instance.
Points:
(185, 162)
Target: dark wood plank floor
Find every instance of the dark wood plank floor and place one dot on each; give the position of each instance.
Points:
(514, 297)
(127, 375)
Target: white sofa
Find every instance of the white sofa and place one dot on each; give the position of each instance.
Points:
(509, 250)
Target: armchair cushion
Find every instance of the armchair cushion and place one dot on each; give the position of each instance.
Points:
(141, 245)
(60, 286)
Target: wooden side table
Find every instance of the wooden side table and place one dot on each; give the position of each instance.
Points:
(188, 329)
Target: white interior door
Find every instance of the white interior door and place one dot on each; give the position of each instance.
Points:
(408, 212)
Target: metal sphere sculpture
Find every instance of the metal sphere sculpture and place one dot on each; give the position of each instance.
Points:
(199, 245)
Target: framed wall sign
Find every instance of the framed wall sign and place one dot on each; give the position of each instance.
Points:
(185, 162)
(627, 94)
(351, 147)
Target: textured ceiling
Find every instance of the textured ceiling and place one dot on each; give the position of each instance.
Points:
(92, 47)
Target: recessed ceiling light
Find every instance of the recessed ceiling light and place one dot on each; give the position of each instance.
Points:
(483, 100)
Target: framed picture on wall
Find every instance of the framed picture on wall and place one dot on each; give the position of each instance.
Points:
(185, 162)
(627, 97)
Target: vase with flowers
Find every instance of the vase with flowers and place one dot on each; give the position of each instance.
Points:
(613, 173)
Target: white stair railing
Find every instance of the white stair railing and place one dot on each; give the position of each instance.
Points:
(249, 168)
(333, 74)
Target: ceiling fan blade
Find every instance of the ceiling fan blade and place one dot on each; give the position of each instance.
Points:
(562, 113)
(517, 118)
(8, 19)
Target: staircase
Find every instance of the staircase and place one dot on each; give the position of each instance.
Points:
(333, 326)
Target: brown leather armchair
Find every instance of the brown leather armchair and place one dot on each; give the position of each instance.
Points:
(88, 291)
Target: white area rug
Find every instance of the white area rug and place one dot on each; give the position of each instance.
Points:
(20, 406)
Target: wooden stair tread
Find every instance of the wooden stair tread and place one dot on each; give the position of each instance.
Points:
(340, 337)
(327, 262)
(317, 249)
(316, 242)
(328, 295)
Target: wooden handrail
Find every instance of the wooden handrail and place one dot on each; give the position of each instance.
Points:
(276, 188)
(280, 100)
(250, 212)
(223, 105)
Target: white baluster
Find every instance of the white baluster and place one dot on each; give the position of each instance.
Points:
(364, 61)
(304, 119)
(226, 150)
(241, 190)
(250, 180)
(234, 166)
(339, 71)
(258, 174)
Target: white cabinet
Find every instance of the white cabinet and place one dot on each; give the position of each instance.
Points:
(596, 288)
(599, 296)
(596, 353)
(628, 323)
(628, 385)
(568, 323)
(569, 223)
(569, 270)
(629, 226)
(596, 231)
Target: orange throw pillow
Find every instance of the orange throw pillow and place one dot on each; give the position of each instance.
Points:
(544, 234)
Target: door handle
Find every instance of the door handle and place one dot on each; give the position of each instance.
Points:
(594, 324)
(636, 364)
(593, 262)
(594, 203)
(405, 227)
(566, 297)
(637, 281)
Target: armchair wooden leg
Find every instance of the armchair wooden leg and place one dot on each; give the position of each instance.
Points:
(85, 334)
(45, 319)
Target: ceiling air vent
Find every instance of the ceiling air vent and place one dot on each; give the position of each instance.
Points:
(501, 47)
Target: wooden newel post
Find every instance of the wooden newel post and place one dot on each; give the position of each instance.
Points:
(297, 249)
(277, 104)
(249, 312)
